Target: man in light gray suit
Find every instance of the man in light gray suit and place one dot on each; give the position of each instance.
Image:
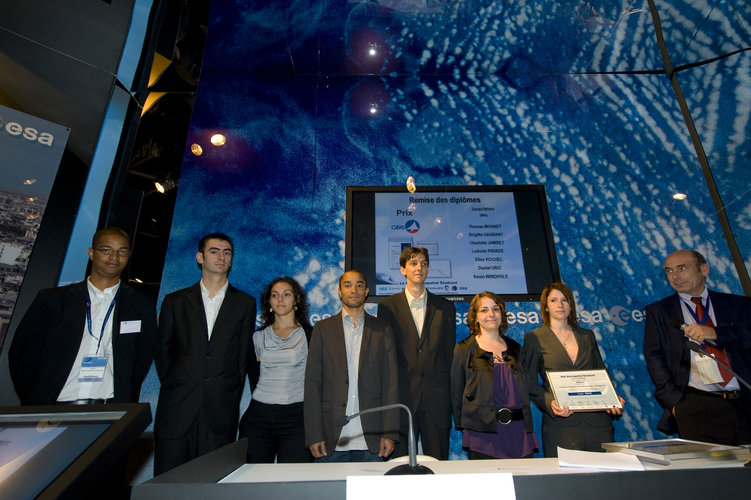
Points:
(351, 367)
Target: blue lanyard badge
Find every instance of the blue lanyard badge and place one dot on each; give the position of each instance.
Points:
(106, 318)
(92, 369)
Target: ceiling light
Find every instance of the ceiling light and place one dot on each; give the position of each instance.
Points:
(679, 196)
(165, 185)
(196, 149)
(218, 140)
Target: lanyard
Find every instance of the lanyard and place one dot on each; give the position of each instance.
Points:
(106, 317)
(691, 306)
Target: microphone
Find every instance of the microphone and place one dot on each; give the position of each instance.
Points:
(697, 349)
(412, 467)
(679, 324)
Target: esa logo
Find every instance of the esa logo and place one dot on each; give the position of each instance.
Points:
(411, 226)
(29, 133)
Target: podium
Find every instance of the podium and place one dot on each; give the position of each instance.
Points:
(223, 474)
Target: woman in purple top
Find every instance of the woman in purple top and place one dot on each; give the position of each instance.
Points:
(489, 396)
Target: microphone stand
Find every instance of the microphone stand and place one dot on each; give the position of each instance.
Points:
(409, 468)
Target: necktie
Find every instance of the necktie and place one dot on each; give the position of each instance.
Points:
(714, 351)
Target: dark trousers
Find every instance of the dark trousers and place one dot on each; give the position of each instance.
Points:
(435, 440)
(350, 456)
(706, 417)
(169, 453)
(476, 455)
(583, 436)
(275, 432)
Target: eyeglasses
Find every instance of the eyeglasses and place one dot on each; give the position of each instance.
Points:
(123, 252)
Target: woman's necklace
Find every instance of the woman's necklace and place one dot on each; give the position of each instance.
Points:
(493, 346)
(572, 351)
(563, 341)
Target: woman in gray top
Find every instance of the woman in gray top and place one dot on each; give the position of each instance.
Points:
(273, 422)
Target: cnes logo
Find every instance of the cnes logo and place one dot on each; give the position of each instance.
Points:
(29, 133)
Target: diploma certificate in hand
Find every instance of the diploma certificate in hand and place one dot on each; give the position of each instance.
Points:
(583, 390)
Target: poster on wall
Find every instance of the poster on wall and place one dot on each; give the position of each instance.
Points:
(30, 152)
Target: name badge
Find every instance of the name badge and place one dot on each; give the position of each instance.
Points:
(133, 326)
(708, 369)
(92, 369)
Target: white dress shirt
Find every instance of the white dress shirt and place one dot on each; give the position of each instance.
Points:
(352, 436)
(212, 305)
(694, 378)
(417, 307)
(91, 346)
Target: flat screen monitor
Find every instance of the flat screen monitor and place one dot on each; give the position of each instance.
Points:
(62, 451)
(478, 238)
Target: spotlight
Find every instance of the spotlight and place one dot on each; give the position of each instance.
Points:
(29, 182)
(372, 51)
(679, 196)
(196, 149)
(218, 140)
(373, 108)
(165, 185)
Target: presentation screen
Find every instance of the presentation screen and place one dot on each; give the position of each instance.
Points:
(495, 238)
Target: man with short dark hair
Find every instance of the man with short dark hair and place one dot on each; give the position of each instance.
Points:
(90, 342)
(351, 368)
(203, 347)
(424, 326)
(702, 400)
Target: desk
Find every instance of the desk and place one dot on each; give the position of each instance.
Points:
(534, 478)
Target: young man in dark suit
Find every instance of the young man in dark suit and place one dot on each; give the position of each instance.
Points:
(203, 347)
(702, 401)
(90, 342)
(424, 328)
(350, 368)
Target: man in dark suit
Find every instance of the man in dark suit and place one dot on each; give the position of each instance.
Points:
(90, 342)
(702, 401)
(424, 327)
(350, 368)
(202, 352)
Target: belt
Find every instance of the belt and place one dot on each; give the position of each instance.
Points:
(84, 402)
(721, 395)
(506, 416)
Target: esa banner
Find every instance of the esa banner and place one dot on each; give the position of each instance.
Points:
(30, 153)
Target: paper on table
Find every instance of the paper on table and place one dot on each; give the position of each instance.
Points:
(595, 460)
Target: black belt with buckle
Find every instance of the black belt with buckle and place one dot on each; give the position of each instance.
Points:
(721, 394)
(506, 416)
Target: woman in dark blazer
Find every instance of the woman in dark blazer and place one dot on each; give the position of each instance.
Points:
(273, 423)
(558, 345)
(489, 396)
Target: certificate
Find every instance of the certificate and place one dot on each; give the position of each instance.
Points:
(583, 390)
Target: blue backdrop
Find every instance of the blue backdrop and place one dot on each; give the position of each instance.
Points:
(570, 94)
